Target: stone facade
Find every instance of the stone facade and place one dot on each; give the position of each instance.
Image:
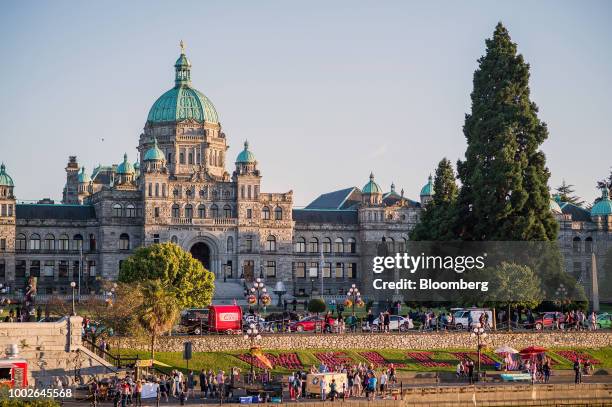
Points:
(181, 189)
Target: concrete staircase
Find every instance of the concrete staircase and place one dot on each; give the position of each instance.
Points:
(228, 291)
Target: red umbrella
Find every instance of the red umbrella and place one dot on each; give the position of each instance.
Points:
(532, 350)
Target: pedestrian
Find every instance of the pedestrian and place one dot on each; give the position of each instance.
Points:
(471, 371)
(138, 393)
(546, 370)
(333, 390)
(593, 321)
(577, 371)
(190, 385)
(323, 388)
(383, 383)
(371, 389)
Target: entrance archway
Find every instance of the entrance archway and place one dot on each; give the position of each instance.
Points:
(201, 251)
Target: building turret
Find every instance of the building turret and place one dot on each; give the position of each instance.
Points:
(247, 175)
(371, 192)
(125, 171)
(84, 187)
(7, 224)
(71, 189)
(154, 158)
(601, 212)
(427, 191)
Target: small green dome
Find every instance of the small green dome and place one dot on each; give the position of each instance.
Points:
(371, 187)
(183, 102)
(84, 177)
(125, 167)
(554, 206)
(427, 190)
(604, 206)
(5, 179)
(245, 156)
(154, 153)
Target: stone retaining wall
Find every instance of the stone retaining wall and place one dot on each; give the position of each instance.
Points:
(442, 340)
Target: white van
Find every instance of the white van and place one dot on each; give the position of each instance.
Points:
(462, 317)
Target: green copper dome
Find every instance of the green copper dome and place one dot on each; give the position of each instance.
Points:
(183, 102)
(83, 176)
(427, 190)
(125, 167)
(371, 187)
(245, 156)
(554, 206)
(154, 153)
(5, 179)
(604, 206)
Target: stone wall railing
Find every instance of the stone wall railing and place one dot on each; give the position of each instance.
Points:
(442, 340)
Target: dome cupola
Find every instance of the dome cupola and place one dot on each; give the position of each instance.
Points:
(5, 179)
(125, 167)
(245, 156)
(603, 207)
(182, 102)
(154, 153)
(84, 177)
(371, 187)
(427, 189)
(554, 206)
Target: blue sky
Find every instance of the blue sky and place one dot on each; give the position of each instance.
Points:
(324, 91)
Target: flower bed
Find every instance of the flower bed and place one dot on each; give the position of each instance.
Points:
(424, 359)
(377, 360)
(484, 359)
(289, 361)
(332, 359)
(572, 355)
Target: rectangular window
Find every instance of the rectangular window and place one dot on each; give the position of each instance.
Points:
(34, 244)
(156, 238)
(76, 268)
(249, 192)
(156, 212)
(249, 244)
(339, 271)
(181, 158)
(3, 209)
(300, 269)
(326, 270)
(249, 213)
(351, 270)
(62, 269)
(20, 268)
(270, 268)
(313, 269)
(2, 270)
(49, 266)
(326, 246)
(91, 267)
(35, 268)
(10, 210)
(3, 244)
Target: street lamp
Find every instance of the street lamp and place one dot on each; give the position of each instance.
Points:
(253, 335)
(561, 293)
(479, 332)
(259, 294)
(73, 285)
(354, 296)
(3, 300)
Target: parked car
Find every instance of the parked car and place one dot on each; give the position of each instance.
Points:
(464, 316)
(195, 320)
(546, 320)
(604, 321)
(310, 323)
(396, 323)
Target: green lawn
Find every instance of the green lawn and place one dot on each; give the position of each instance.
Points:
(226, 360)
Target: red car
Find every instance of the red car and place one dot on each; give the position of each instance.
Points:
(309, 324)
(547, 320)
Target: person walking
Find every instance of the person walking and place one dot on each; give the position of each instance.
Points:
(323, 388)
(577, 371)
(138, 393)
(333, 390)
(471, 371)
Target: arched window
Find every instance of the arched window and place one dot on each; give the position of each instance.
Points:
(351, 246)
(313, 245)
(117, 210)
(230, 244)
(174, 239)
(63, 242)
(156, 189)
(49, 242)
(163, 190)
(124, 242)
(214, 211)
(227, 211)
(34, 242)
(327, 245)
(402, 244)
(150, 189)
(130, 211)
(176, 211)
(20, 242)
(300, 245)
(265, 213)
(339, 245)
(576, 244)
(77, 242)
(201, 211)
(271, 243)
(188, 193)
(278, 213)
(588, 245)
(188, 211)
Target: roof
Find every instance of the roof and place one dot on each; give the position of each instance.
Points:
(372, 187)
(340, 199)
(427, 189)
(5, 179)
(59, 212)
(246, 156)
(125, 167)
(84, 177)
(603, 207)
(154, 153)
(341, 217)
(578, 214)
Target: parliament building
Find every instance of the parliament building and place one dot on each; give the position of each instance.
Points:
(181, 187)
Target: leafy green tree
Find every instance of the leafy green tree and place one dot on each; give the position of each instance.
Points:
(438, 218)
(514, 285)
(192, 284)
(504, 194)
(159, 310)
(566, 194)
(316, 305)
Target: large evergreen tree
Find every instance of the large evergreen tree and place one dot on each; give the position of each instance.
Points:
(504, 194)
(437, 220)
(566, 194)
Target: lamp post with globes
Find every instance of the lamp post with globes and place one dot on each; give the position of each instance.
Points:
(479, 333)
(73, 285)
(252, 334)
(259, 293)
(354, 296)
(561, 294)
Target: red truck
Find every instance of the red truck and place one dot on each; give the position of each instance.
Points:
(225, 319)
